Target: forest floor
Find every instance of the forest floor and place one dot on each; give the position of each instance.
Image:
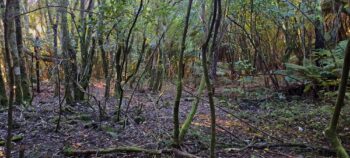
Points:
(252, 122)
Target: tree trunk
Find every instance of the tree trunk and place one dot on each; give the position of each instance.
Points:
(37, 64)
(3, 97)
(10, 49)
(143, 49)
(119, 66)
(54, 26)
(68, 66)
(119, 91)
(207, 79)
(12, 43)
(186, 125)
(104, 55)
(86, 53)
(215, 48)
(26, 95)
(118, 87)
(180, 77)
(331, 132)
(158, 73)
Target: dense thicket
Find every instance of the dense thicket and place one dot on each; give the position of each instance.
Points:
(131, 45)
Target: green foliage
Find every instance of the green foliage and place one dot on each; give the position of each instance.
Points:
(85, 117)
(244, 66)
(15, 138)
(327, 74)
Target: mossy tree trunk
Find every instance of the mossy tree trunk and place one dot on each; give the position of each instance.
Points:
(68, 65)
(87, 48)
(26, 92)
(10, 49)
(214, 23)
(180, 77)
(13, 48)
(330, 132)
(186, 125)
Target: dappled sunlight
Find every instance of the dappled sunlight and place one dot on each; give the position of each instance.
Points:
(144, 78)
(203, 120)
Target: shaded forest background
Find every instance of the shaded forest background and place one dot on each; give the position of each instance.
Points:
(175, 78)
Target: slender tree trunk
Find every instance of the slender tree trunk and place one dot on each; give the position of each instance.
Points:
(85, 37)
(3, 97)
(143, 49)
(180, 77)
(11, 36)
(26, 95)
(10, 49)
(158, 69)
(186, 125)
(58, 80)
(331, 132)
(119, 67)
(54, 26)
(37, 64)
(214, 49)
(119, 90)
(118, 86)
(67, 64)
(207, 79)
(104, 55)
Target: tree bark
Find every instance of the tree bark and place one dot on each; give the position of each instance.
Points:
(186, 125)
(3, 97)
(104, 55)
(54, 26)
(12, 46)
(10, 49)
(119, 66)
(180, 77)
(37, 64)
(207, 79)
(86, 53)
(84, 153)
(26, 95)
(68, 65)
(330, 132)
(214, 49)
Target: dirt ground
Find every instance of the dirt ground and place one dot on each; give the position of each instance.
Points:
(260, 123)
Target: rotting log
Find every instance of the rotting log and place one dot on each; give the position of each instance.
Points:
(127, 149)
(70, 152)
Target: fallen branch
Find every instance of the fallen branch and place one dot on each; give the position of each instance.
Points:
(45, 58)
(235, 116)
(321, 150)
(176, 152)
(70, 152)
(179, 153)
